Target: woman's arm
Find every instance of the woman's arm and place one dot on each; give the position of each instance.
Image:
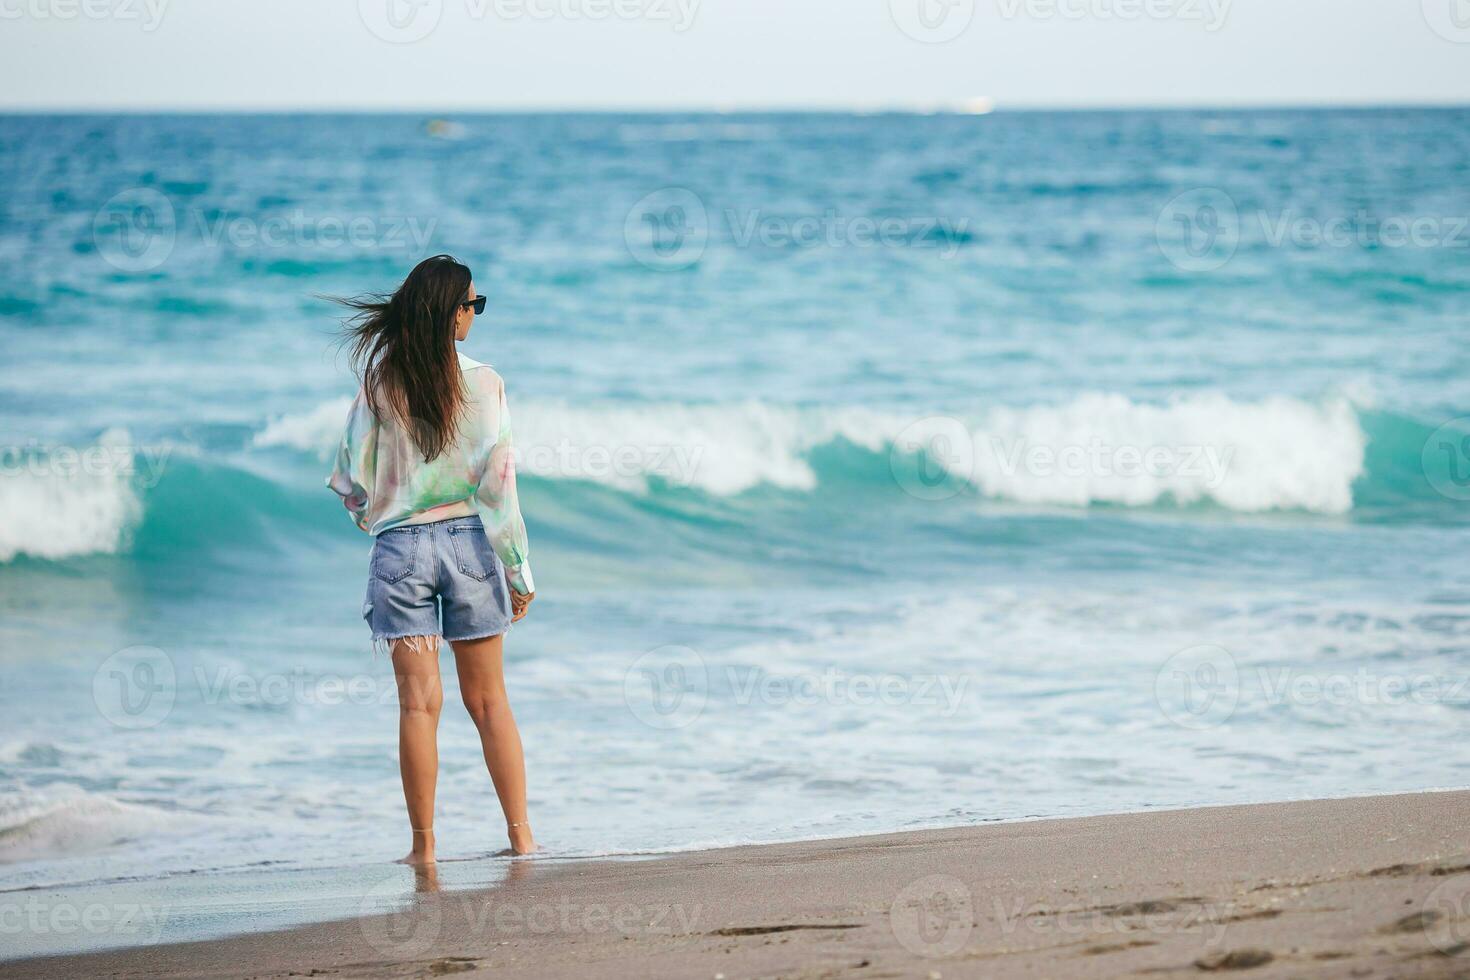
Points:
(497, 500)
(354, 454)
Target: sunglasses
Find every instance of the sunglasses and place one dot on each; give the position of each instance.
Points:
(478, 303)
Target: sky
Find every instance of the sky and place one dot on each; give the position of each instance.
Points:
(727, 54)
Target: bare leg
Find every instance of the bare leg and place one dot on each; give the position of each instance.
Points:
(482, 684)
(420, 698)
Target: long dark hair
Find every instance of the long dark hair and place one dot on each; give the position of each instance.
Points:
(403, 350)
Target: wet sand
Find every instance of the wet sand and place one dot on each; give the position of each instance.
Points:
(1368, 887)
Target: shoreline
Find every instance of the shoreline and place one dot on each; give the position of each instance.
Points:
(1312, 888)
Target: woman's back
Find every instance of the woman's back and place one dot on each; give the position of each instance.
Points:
(385, 482)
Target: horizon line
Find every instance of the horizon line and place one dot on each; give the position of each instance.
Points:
(957, 108)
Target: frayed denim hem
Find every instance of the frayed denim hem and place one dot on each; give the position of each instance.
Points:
(427, 644)
(476, 636)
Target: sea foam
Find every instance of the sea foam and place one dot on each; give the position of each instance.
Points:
(1248, 456)
(42, 824)
(60, 504)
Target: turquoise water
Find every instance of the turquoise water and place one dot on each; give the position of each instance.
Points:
(831, 430)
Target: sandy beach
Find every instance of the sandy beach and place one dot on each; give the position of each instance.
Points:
(1376, 886)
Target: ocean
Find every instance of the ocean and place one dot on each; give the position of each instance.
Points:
(882, 471)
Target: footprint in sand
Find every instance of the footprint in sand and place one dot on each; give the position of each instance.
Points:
(1235, 959)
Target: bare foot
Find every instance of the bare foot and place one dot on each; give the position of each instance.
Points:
(423, 849)
(521, 841)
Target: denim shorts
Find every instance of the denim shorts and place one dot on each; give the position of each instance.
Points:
(439, 579)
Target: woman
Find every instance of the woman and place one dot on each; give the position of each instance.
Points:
(426, 467)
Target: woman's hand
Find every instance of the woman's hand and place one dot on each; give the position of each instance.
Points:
(519, 604)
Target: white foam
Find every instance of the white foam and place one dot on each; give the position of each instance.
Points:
(315, 431)
(1250, 456)
(59, 503)
(40, 824)
(721, 449)
(1276, 454)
